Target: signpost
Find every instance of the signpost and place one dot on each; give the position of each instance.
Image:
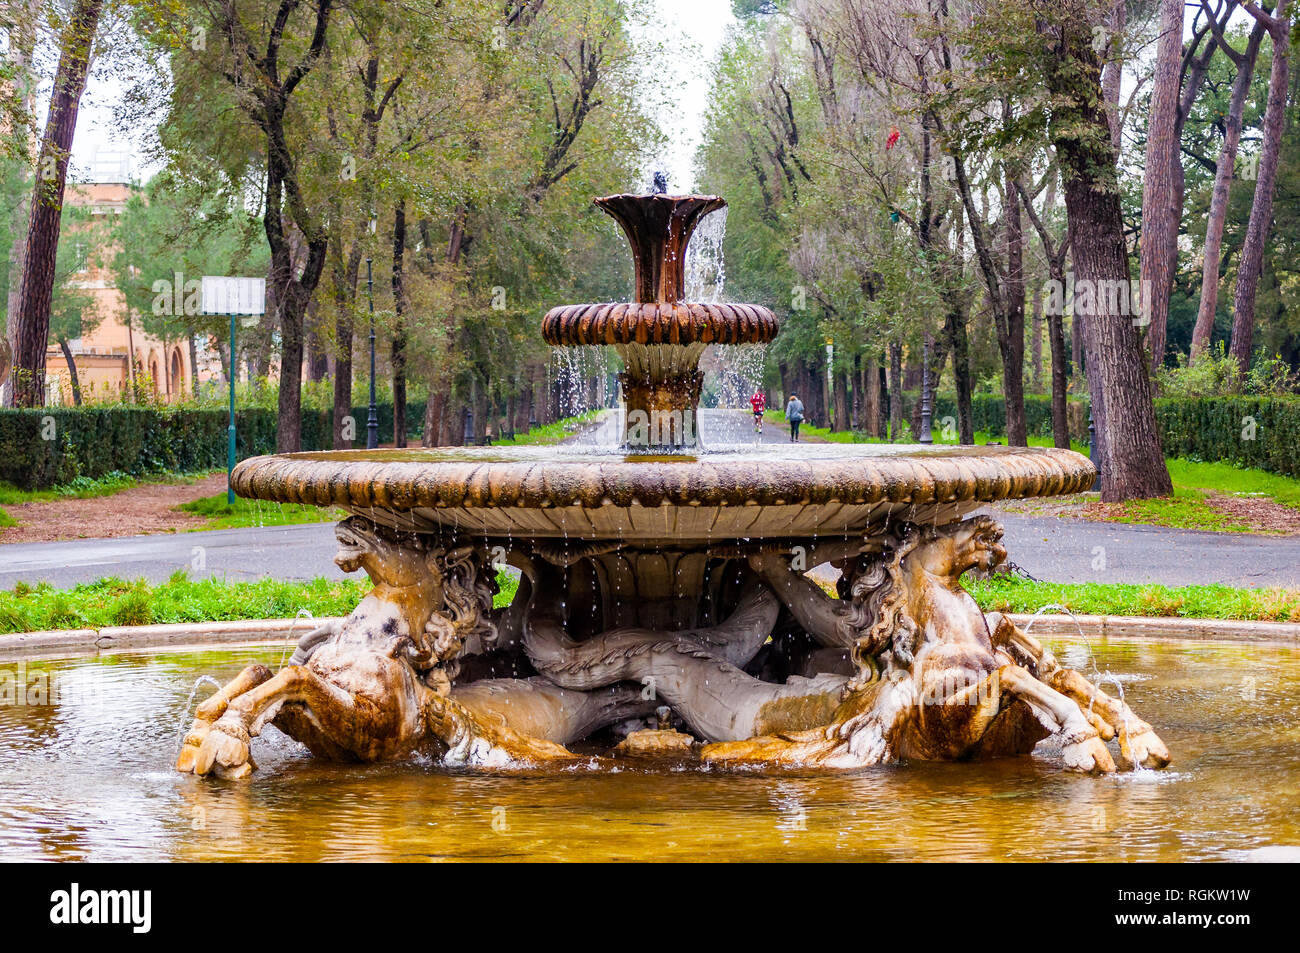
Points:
(235, 297)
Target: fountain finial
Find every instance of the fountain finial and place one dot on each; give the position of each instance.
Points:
(659, 227)
(660, 183)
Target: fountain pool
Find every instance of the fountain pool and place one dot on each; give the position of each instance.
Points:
(88, 777)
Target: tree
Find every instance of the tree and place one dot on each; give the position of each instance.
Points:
(1133, 465)
(168, 236)
(40, 259)
(1159, 204)
(72, 310)
(1244, 63)
(251, 80)
(1261, 211)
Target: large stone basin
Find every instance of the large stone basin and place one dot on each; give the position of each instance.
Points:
(715, 497)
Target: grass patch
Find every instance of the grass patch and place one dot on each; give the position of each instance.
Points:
(114, 601)
(550, 433)
(223, 515)
(854, 436)
(1186, 509)
(1004, 593)
(1236, 481)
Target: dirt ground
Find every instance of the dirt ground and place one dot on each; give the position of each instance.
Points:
(142, 509)
(1260, 515)
(1265, 515)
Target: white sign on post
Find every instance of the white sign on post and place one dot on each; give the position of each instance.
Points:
(244, 296)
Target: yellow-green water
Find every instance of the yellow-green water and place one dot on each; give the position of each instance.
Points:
(88, 776)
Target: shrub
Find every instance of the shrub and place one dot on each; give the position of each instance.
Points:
(134, 608)
(57, 446)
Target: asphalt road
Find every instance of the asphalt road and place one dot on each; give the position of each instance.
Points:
(1047, 548)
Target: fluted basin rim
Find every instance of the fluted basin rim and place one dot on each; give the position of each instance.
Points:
(679, 323)
(544, 477)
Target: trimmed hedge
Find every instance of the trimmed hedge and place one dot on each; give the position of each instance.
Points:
(1261, 432)
(989, 413)
(54, 445)
(1256, 432)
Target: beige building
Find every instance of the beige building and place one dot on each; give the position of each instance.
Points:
(116, 352)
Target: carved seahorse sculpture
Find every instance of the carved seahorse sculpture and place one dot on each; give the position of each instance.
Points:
(945, 688)
(377, 685)
(695, 671)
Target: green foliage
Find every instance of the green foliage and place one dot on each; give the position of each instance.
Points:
(113, 601)
(222, 514)
(1217, 374)
(1247, 431)
(134, 607)
(54, 446)
(1007, 593)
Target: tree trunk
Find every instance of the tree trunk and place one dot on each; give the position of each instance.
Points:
(871, 395)
(1112, 75)
(1011, 330)
(841, 415)
(954, 330)
(72, 372)
(1056, 343)
(1159, 189)
(1218, 211)
(1261, 209)
(1133, 465)
(345, 273)
(32, 332)
(1036, 345)
(434, 409)
(194, 365)
(399, 329)
(895, 391)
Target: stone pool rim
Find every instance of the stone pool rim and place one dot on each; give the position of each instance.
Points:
(180, 636)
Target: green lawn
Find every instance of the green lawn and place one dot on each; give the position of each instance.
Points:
(117, 602)
(180, 599)
(1016, 594)
(241, 513)
(1226, 478)
(550, 433)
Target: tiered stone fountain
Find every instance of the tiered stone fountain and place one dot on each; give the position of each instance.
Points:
(663, 608)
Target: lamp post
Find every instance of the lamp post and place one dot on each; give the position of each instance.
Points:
(927, 410)
(372, 422)
(1092, 450)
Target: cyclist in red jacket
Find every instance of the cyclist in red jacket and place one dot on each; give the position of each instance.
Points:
(759, 403)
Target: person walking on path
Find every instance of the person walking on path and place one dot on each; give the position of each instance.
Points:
(794, 414)
(759, 403)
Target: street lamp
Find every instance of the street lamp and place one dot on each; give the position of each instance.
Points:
(372, 422)
(927, 409)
